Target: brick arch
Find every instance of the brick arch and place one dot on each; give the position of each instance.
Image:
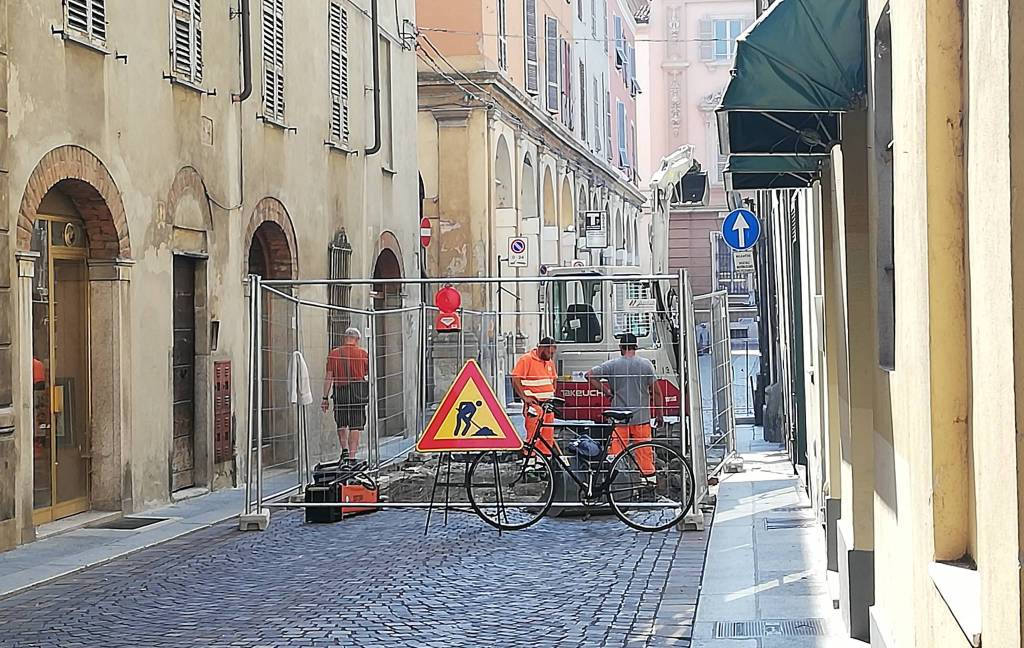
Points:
(83, 178)
(270, 221)
(188, 181)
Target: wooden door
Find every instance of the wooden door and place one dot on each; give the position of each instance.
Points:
(183, 371)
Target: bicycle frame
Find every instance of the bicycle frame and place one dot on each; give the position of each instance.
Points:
(593, 490)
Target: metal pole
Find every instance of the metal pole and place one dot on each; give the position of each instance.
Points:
(422, 387)
(373, 436)
(684, 373)
(250, 400)
(462, 339)
(258, 298)
(300, 455)
(413, 281)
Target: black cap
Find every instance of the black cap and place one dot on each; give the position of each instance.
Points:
(627, 340)
(547, 340)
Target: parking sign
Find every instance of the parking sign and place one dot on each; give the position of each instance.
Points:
(518, 252)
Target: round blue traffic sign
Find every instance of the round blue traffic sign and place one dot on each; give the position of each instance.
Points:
(518, 246)
(741, 229)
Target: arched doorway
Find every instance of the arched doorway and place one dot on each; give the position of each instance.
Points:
(271, 256)
(389, 341)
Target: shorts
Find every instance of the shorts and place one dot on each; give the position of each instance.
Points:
(350, 416)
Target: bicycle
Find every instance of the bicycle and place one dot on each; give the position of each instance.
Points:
(645, 502)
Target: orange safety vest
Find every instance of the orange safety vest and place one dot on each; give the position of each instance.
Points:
(536, 376)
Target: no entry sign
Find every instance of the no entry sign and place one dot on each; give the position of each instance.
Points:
(425, 232)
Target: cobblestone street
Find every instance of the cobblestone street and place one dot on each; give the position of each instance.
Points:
(377, 581)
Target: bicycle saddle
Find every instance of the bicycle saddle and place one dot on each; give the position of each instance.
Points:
(555, 401)
(617, 416)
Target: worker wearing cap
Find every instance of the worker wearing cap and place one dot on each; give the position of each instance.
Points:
(630, 382)
(533, 379)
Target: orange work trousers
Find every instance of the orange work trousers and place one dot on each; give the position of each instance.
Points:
(627, 434)
(546, 431)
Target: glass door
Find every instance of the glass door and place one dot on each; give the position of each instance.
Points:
(60, 321)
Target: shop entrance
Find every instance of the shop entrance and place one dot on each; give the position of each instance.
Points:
(60, 368)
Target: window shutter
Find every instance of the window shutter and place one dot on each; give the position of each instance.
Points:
(707, 40)
(551, 62)
(620, 44)
(273, 60)
(87, 18)
(338, 42)
(532, 67)
(502, 36)
(604, 24)
(567, 103)
(623, 153)
(187, 40)
(593, 18)
(608, 123)
(597, 119)
(583, 101)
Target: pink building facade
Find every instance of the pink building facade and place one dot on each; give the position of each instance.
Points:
(685, 52)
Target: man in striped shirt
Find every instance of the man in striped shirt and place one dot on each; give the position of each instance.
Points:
(534, 381)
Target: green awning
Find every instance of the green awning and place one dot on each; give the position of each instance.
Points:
(797, 67)
(747, 172)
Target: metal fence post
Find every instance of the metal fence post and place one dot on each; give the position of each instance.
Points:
(373, 438)
(422, 373)
(258, 297)
(250, 398)
(683, 333)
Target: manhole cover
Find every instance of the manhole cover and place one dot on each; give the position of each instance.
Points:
(129, 523)
(788, 523)
(783, 628)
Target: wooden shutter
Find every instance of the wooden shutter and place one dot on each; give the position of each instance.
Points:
(86, 18)
(551, 62)
(187, 40)
(532, 67)
(502, 36)
(604, 24)
(608, 123)
(338, 43)
(567, 104)
(707, 39)
(593, 18)
(597, 118)
(620, 44)
(273, 60)
(623, 152)
(583, 101)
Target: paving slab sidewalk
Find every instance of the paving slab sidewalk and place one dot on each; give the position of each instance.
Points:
(766, 561)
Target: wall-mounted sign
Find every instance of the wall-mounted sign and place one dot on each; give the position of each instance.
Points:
(595, 230)
(518, 252)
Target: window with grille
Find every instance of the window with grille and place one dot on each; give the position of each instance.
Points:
(502, 36)
(86, 18)
(273, 60)
(339, 255)
(530, 30)
(337, 37)
(551, 63)
(718, 38)
(187, 40)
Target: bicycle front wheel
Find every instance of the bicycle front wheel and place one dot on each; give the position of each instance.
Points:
(510, 490)
(651, 486)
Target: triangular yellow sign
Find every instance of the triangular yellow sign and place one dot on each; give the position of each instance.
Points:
(469, 418)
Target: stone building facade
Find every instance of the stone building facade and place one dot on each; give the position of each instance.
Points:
(140, 185)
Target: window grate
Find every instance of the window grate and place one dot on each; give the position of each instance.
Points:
(771, 524)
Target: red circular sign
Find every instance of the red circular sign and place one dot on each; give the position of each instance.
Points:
(448, 300)
(425, 232)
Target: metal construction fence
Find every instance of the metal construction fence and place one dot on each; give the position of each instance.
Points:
(410, 365)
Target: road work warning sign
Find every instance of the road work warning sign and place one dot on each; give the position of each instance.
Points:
(469, 418)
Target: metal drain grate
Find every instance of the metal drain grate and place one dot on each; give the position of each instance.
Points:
(788, 523)
(791, 509)
(129, 523)
(783, 628)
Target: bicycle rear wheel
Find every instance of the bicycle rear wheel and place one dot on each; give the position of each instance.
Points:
(510, 490)
(645, 501)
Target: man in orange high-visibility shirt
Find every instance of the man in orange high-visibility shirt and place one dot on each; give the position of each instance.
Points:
(534, 378)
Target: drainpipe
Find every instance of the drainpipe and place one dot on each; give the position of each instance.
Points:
(243, 13)
(375, 48)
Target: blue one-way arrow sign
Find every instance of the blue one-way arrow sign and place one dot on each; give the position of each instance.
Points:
(741, 229)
